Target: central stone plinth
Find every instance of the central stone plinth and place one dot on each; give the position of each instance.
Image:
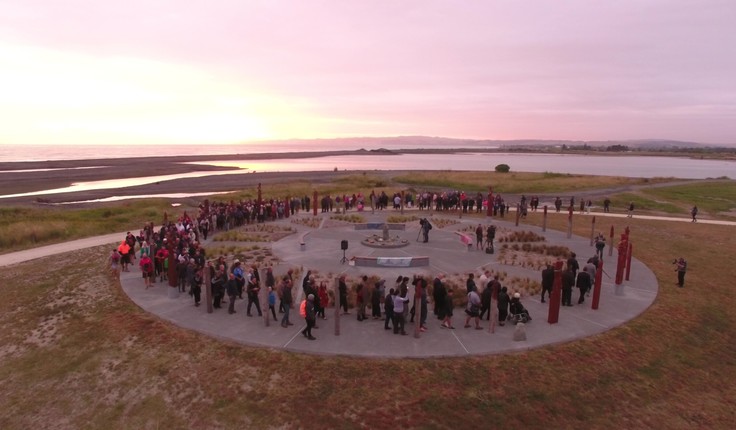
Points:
(384, 240)
(377, 241)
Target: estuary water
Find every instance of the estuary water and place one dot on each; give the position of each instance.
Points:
(629, 166)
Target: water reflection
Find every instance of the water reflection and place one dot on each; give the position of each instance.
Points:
(50, 169)
(122, 183)
(628, 166)
(145, 196)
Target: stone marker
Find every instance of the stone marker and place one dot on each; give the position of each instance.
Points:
(520, 332)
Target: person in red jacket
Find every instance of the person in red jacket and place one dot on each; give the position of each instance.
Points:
(323, 299)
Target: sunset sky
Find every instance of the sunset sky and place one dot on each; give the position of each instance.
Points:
(227, 71)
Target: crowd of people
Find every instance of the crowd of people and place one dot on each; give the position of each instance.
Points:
(177, 243)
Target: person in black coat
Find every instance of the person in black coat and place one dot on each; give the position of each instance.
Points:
(583, 283)
(548, 280)
(376, 300)
(503, 306)
(231, 286)
(439, 292)
(485, 301)
(517, 308)
(343, 291)
(311, 317)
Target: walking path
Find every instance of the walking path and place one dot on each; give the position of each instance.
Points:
(446, 254)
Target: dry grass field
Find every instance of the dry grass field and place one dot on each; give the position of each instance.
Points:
(76, 353)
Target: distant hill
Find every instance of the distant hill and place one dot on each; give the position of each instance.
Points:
(409, 142)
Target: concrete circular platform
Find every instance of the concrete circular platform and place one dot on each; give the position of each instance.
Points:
(446, 253)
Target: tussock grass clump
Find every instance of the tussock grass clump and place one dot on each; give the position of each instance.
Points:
(240, 236)
(312, 222)
(399, 219)
(351, 218)
(522, 236)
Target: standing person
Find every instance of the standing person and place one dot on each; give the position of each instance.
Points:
(115, 263)
(470, 283)
(490, 236)
(196, 287)
(449, 306)
(425, 227)
(252, 290)
(473, 310)
(548, 280)
(310, 318)
(503, 306)
(388, 308)
(607, 205)
(681, 270)
(306, 282)
(146, 269)
(270, 280)
(237, 271)
(231, 286)
(438, 294)
(485, 301)
(342, 288)
(218, 286)
(363, 292)
(631, 210)
(286, 299)
(272, 302)
(323, 299)
(400, 306)
(479, 237)
(568, 281)
(572, 264)
(376, 300)
(124, 250)
(423, 310)
(583, 283)
(694, 213)
(600, 244)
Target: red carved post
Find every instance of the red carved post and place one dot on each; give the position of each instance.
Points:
(314, 203)
(628, 260)
(597, 285)
(337, 306)
(287, 207)
(518, 214)
(555, 299)
(418, 306)
(623, 246)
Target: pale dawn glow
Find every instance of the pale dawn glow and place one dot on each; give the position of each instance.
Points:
(218, 72)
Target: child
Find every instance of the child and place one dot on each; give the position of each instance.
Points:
(272, 302)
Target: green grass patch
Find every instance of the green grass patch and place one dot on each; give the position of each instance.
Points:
(516, 183)
(710, 197)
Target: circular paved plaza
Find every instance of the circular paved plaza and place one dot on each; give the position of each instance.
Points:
(318, 248)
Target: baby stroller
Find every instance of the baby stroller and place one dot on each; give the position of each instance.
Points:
(517, 312)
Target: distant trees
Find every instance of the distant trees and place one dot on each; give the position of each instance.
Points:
(617, 148)
(503, 168)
